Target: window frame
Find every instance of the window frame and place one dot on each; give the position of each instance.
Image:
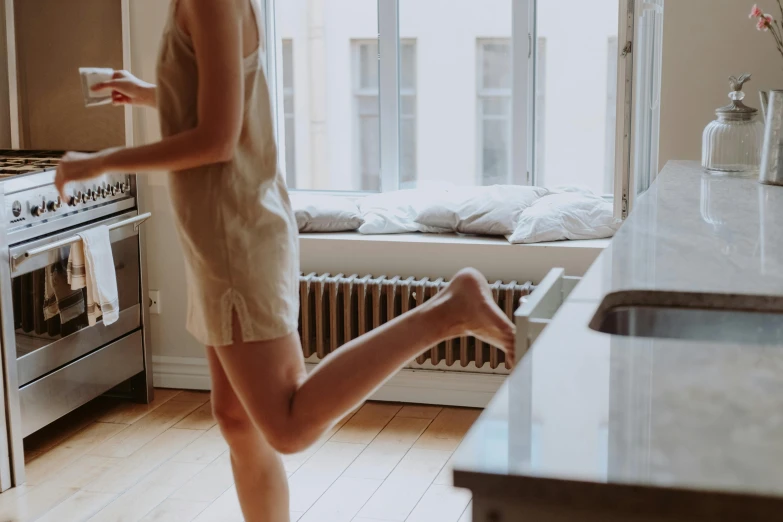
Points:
(523, 35)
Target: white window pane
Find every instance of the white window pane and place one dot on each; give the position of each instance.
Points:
(500, 106)
(290, 151)
(496, 65)
(368, 65)
(370, 153)
(407, 153)
(447, 133)
(289, 121)
(495, 153)
(288, 60)
(333, 44)
(408, 106)
(578, 64)
(494, 103)
(407, 65)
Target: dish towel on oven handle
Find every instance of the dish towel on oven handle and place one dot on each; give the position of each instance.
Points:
(59, 298)
(91, 265)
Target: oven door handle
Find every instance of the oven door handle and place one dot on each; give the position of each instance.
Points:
(135, 221)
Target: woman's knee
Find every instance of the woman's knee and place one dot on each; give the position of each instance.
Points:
(232, 419)
(287, 439)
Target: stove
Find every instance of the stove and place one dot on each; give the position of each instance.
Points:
(54, 362)
(18, 162)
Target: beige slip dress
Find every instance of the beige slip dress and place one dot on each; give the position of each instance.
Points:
(235, 222)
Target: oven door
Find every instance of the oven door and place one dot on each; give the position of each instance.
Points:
(50, 320)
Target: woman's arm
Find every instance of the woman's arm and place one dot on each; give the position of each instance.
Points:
(215, 28)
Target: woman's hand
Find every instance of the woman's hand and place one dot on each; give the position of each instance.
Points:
(79, 166)
(129, 90)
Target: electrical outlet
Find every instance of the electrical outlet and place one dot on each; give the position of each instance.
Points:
(154, 302)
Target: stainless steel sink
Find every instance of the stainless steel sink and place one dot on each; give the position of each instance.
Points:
(698, 317)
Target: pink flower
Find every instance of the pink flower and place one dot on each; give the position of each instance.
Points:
(764, 23)
(756, 12)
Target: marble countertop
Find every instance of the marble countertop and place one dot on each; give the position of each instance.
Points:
(651, 425)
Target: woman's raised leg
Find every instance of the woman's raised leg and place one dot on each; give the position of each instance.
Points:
(261, 482)
(293, 409)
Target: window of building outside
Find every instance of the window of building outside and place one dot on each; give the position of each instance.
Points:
(455, 71)
(494, 107)
(367, 114)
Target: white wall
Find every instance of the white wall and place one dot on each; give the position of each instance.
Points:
(705, 42)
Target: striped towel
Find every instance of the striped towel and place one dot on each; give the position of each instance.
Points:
(91, 266)
(59, 298)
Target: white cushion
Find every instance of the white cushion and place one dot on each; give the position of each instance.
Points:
(323, 213)
(491, 211)
(395, 212)
(567, 215)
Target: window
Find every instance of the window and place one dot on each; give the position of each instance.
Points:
(288, 111)
(494, 106)
(387, 94)
(367, 113)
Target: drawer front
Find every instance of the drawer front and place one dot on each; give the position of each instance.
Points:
(60, 392)
(538, 309)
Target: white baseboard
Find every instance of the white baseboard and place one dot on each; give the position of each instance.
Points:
(413, 386)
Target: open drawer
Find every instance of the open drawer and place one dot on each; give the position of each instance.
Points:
(537, 309)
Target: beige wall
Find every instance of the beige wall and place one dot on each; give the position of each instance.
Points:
(705, 42)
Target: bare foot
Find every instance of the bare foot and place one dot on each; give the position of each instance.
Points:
(470, 309)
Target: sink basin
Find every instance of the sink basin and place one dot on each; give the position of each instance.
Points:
(697, 317)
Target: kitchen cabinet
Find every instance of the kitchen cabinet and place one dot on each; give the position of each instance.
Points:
(46, 41)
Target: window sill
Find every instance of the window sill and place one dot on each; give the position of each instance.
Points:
(450, 239)
(441, 255)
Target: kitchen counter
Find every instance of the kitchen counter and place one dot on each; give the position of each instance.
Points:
(618, 428)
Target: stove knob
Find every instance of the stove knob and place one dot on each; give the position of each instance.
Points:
(103, 193)
(37, 210)
(53, 206)
(73, 201)
(84, 197)
(112, 190)
(93, 195)
(122, 188)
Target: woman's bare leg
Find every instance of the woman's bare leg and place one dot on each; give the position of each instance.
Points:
(293, 409)
(261, 482)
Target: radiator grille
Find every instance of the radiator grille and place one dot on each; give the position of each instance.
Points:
(335, 309)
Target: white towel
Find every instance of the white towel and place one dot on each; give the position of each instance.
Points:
(91, 265)
(59, 298)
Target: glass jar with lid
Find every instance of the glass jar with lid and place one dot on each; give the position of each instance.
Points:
(732, 144)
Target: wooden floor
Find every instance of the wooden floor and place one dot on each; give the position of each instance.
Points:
(117, 461)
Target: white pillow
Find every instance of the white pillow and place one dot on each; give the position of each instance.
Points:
(492, 211)
(322, 213)
(568, 215)
(395, 212)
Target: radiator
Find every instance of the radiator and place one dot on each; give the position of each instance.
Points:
(335, 309)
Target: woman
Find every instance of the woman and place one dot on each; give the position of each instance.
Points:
(241, 252)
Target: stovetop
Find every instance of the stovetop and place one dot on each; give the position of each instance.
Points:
(18, 162)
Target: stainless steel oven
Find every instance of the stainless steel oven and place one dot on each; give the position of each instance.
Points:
(54, 361)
